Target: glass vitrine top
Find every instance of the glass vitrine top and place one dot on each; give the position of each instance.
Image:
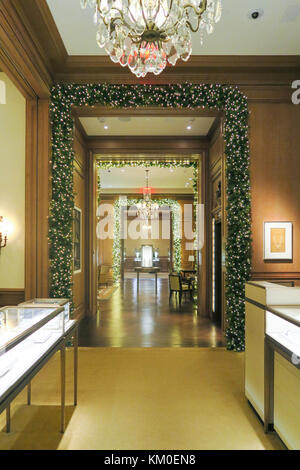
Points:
(46, 301)
(16, 323)
(283, 325)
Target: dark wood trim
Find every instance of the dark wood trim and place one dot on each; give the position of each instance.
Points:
(91, 235)
(235, 70)
(37, 197)
(80, 131)
(275, 276)
(11, 296)
(144, 145)
(40, 24)
(43, 197)
(31, 199)
(20, 57)
(30, 36)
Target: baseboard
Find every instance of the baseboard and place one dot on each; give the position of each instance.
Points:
(11, 296)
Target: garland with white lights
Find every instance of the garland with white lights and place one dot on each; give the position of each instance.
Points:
(174, 207)
(192, 96)
(171, 203)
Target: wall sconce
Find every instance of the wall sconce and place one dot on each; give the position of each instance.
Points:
(3, 233)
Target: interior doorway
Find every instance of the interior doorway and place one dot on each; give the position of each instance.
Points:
(134, 305)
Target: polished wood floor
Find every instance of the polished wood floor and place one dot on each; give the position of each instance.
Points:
(147, 319)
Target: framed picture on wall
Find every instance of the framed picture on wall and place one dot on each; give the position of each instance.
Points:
(77, 231)
(278, 241)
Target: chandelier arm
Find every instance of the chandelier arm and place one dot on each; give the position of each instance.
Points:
(130, 12)
(157, 10)
(143, 13)
(168, 14)
(194, 30)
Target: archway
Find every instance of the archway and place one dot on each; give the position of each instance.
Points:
(234, 105)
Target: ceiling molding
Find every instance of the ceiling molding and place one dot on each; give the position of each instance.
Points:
(41, 26)
(20, 54)
(29, 39)
(234, 70)
(147, 144)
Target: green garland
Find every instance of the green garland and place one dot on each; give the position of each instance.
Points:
(192, 96)
(176, 222)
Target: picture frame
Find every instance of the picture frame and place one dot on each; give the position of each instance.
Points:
(278, 241)
(77, 234)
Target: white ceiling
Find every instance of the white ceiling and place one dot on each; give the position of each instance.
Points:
(159, 178)
(144, 125)
(276, 33)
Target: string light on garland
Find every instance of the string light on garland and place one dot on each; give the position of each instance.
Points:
(188, 96)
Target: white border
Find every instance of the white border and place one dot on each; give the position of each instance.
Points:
(288, 253)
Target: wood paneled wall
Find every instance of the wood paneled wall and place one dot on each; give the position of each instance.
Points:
(80, 279)
(11, 296)
(217, 210)
(275, 182)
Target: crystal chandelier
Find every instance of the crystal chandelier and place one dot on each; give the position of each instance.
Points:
(145, 35)
(146, 209)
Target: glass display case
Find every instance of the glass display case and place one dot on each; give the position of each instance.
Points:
(283, 326)
(49, 303)
(27, 334)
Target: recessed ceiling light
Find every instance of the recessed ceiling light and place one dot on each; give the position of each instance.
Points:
(105, 127)
(189, 127)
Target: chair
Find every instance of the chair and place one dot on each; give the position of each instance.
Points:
(105, 275)
(177, 285)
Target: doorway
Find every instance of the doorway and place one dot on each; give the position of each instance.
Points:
(134, 310)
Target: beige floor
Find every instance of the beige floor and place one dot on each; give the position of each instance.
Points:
(142, 399)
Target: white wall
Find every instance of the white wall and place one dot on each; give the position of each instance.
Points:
(12, 184)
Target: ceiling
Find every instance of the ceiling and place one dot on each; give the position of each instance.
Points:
(179, 179)
(145, 126)
(275, 33)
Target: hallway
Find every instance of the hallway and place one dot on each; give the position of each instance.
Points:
(145, 319)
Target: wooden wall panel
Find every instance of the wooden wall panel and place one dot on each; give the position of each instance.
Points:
(80, 183)
(275, 173)
(11, 296)
(216, 210)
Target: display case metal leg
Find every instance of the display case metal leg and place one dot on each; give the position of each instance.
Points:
(63, 386)
(8, 419)
(29, 394)
(269, 387)
(75, 366)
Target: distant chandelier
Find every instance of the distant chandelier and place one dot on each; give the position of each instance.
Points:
(146, 209)
(146, 34)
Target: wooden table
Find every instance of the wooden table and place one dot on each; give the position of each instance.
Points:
(146, 270)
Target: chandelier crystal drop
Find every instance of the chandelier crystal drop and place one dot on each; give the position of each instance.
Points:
(145, 35)
(146, 209)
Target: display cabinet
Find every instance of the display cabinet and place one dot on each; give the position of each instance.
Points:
(71, 330)
(29, 336)
(258, 295)
(65, 303)
(282, 373)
